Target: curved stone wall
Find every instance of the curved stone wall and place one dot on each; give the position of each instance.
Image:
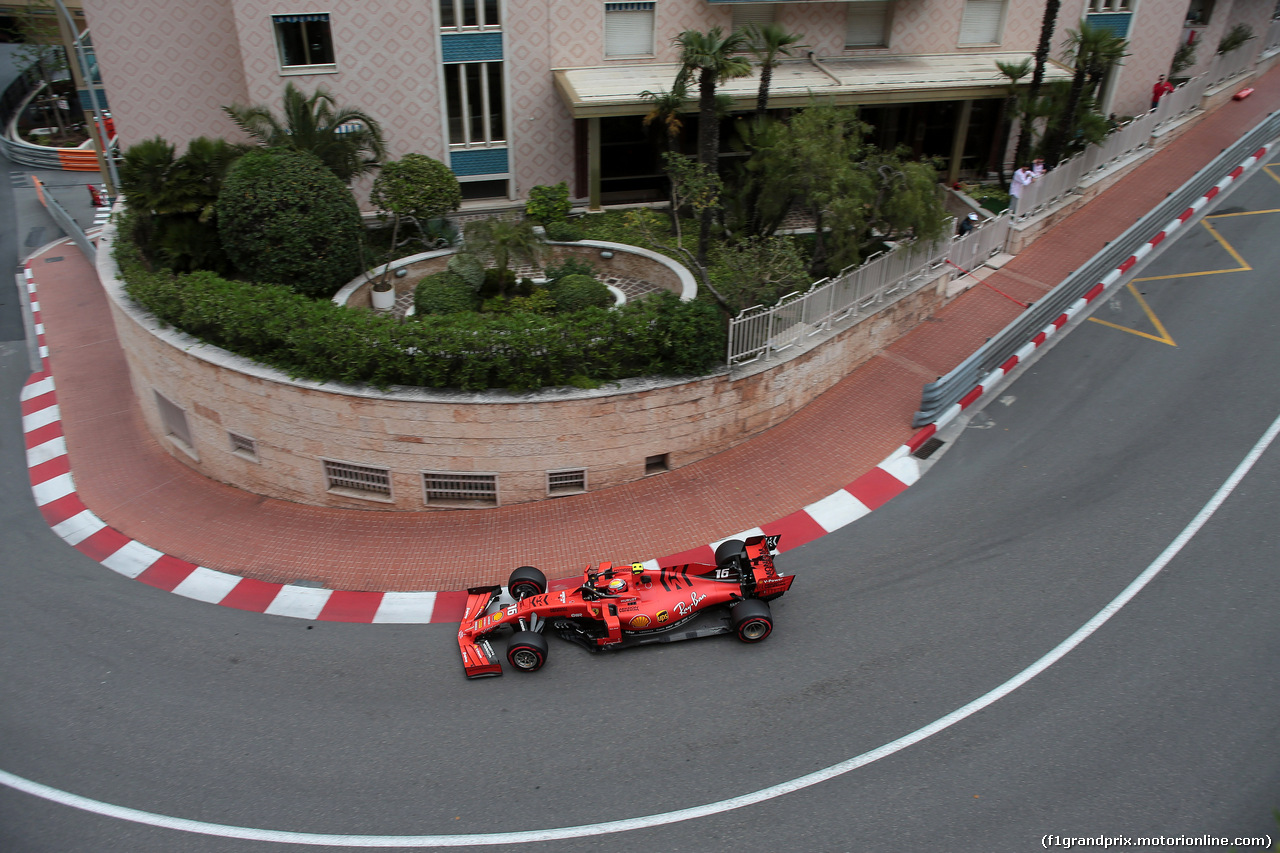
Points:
(255, 428)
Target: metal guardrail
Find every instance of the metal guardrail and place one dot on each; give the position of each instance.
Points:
(65, 221)
(939, 396)
(856, 293)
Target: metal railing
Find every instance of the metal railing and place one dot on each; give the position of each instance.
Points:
(857, 292)
(941, 395)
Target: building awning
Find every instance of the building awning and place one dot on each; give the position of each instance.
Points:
(614, 90)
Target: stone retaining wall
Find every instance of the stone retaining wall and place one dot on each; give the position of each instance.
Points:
(613, 435)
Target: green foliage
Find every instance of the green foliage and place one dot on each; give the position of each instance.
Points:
(990, 196)
(175, 198)
(539, 301)
(548, 204)
(469, 268)
(655, 336)
(575, 292)
(416, 186)
(563, 232)
(571, 265)
(1235, 38)
(1183, 58)
(284, 218)
(759, 271)
(504, 241)
(348, 141)
(444, 292)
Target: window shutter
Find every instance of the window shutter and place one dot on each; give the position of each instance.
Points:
(628, 29)
(760, 14)
(981, 22)
(865, 24)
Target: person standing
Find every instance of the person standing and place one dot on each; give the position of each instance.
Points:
(1021, 180)
(1159, 90)
(1037, 168)
(967, 224)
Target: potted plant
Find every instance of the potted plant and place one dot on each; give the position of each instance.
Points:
(384, 294)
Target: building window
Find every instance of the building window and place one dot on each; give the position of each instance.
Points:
(460, 489)
(746, 14)
(867, 25)
(470, 15)
(570, 481)
(981, 22)
(628, 29)
(304, 41)
(473, 96)
(1199, 12)
(1109, 6)
(361, 481)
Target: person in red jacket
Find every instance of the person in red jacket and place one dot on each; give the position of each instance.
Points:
(1159, 90)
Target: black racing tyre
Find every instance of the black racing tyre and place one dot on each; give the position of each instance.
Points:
(752, 620)
(526, 581)
(728, 549)
(527, 651)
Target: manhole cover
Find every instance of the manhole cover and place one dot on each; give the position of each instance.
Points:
(53, 260)
(928, 448)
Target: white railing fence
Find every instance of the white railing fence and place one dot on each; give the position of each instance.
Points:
(857, 292)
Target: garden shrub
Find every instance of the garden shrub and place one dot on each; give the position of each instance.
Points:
(548, 205)
(469, 268)
(444, 292)
(575, 292)
(655, 336)
(571, 265)
(285, 218)
(563, 232)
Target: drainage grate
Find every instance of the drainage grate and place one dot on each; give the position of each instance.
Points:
(928, 448)
(448, 487)
(242, 445)
(570, 481)
(358, 478)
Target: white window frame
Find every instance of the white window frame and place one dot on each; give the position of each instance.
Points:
(999, 24)
(277, 21)
(489, 138)
(635, 11)
(482, 15)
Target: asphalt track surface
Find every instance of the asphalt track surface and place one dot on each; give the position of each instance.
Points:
(1061, 492)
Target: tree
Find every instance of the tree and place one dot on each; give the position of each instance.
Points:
(769, 43)
(42, 54)
(502, 241)
(1047, 23)
(1094, 51)
(1013, 72)
(1234, 39)
(285, 218)
(349, 142)
(174, 200)
(416, 188)
(666, 110)
(713, 56)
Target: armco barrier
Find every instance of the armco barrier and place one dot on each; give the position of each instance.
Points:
(948, 396)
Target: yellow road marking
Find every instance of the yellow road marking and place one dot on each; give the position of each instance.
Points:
(1163, 337)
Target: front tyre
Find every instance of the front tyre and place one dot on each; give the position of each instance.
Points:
(527, 651)
(526, 581)
(752, 620)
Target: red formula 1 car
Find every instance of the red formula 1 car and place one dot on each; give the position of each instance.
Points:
(620, 607)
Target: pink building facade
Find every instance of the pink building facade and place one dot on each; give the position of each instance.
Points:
(517, 93)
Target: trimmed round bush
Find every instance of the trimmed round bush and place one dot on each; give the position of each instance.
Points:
(285, 218)
(444, 292)
(575, 292)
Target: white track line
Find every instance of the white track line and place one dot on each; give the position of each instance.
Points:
(533, 835)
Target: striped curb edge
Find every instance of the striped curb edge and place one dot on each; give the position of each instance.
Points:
(992, 379)
(53, 487)
(54, 491)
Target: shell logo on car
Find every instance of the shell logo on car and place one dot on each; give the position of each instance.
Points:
(640, 621)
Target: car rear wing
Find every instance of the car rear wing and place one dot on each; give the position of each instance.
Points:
(765, 582)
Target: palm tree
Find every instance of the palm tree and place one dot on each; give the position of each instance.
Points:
(1013, 71)
(502, 241)
(666, 110)
(1047, 24)
(1094, 51)
(769, 43)
(713, 55)
(348, 141)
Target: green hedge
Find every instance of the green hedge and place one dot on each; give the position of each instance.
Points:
(575, 292)
(655, 336)
(444, 292)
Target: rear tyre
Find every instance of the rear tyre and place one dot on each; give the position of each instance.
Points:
(526, 581)
(729, 549)
(752, 620)
(527, 651)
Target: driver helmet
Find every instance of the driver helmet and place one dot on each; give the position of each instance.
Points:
(618, 585)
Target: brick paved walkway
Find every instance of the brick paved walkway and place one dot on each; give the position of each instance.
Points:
(134, 486)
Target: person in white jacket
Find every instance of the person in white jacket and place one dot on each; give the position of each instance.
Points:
(1022, 178)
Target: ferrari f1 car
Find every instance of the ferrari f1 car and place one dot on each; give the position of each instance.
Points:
(619, 607)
